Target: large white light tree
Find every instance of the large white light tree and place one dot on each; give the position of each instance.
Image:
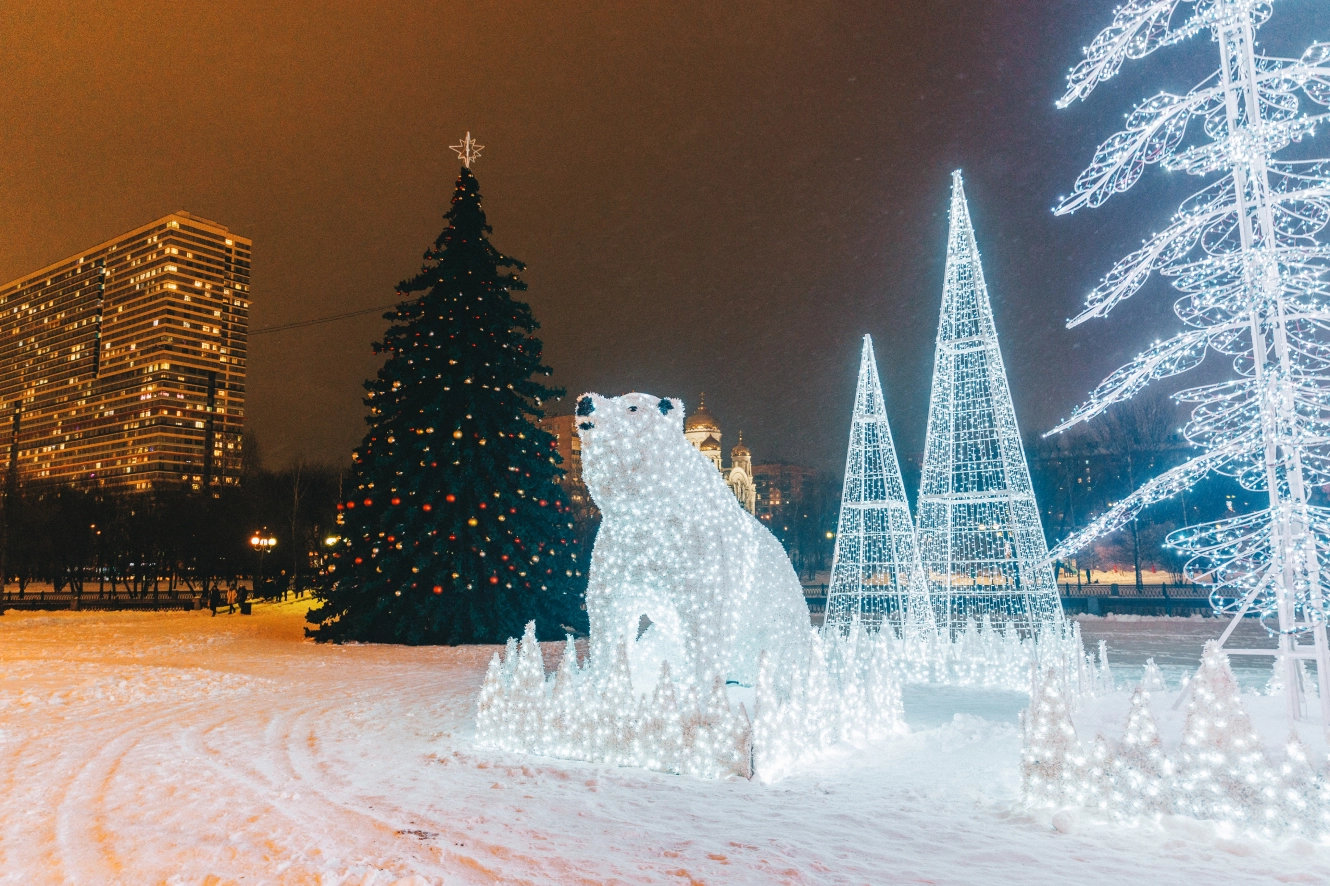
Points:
(980, 539)
(1246, 254)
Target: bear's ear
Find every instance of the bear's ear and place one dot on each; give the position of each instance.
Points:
(672, 409)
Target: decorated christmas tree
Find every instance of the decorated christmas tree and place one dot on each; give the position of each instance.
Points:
(456, 530)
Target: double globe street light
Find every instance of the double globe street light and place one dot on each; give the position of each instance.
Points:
(262, 543)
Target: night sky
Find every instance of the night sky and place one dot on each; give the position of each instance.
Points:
(717, 197)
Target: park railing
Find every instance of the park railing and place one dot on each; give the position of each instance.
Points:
(1174, 598)
(1174, 590)
(42, 598)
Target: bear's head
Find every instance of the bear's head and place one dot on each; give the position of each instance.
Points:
(627, 442)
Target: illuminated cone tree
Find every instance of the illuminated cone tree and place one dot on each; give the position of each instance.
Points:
(875, 572)
(980, 538)
(457, 531)
(1246, 254)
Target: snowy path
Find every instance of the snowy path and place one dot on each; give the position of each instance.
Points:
(178, 748)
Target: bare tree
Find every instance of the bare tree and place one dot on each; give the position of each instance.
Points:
(1138, 432)
(299, 486)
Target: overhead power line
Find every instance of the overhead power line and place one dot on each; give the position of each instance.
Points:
(282, 327)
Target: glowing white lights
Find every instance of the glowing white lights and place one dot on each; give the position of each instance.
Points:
(844, 690)
(1220, 769)
(876, 576)
(689, 596)
(846, 687)
(1245, 253)
(980, 539)
(687, 592)
(679, 568)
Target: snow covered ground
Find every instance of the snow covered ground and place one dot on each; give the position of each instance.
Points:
(1175, 644)
(181, 749)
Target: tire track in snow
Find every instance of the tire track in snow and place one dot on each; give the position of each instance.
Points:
(249, 760)
(320, 774)
(82, 823)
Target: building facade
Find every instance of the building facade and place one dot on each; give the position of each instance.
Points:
(123, 366)
(569, 447)
(704, 433)
(795, 503)
(781, 491)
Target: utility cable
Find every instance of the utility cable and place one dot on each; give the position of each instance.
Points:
(299, 324)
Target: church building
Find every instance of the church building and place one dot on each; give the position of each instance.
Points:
(703, 432)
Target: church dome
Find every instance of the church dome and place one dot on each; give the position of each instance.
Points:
(701, 420)
(710, 444)
(740, 449)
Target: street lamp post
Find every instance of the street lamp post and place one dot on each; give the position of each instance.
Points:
(261, 542)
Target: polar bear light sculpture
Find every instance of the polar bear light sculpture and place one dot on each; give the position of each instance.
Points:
(679, 569)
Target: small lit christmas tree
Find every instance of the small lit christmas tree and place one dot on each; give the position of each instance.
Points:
(876, 573)
(457, 531)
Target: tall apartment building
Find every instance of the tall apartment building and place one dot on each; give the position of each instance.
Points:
(124, 366)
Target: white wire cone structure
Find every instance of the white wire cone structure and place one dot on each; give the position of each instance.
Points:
(981, 542)
(876, 576)
(1246, 253)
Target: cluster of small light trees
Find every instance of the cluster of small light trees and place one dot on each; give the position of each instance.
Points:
(845, 690)
(1221, 769)
(594, 714)
(983, 656)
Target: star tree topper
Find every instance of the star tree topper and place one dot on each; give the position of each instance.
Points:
(468, 150)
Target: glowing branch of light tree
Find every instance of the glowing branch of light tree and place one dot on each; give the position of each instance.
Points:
(1246, 253)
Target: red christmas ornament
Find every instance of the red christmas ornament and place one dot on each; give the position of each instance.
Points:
(397, 501)
(359, 561)
(368, 502)
(494, 579)
(450, 497)
(427, 507)
(438, 589)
